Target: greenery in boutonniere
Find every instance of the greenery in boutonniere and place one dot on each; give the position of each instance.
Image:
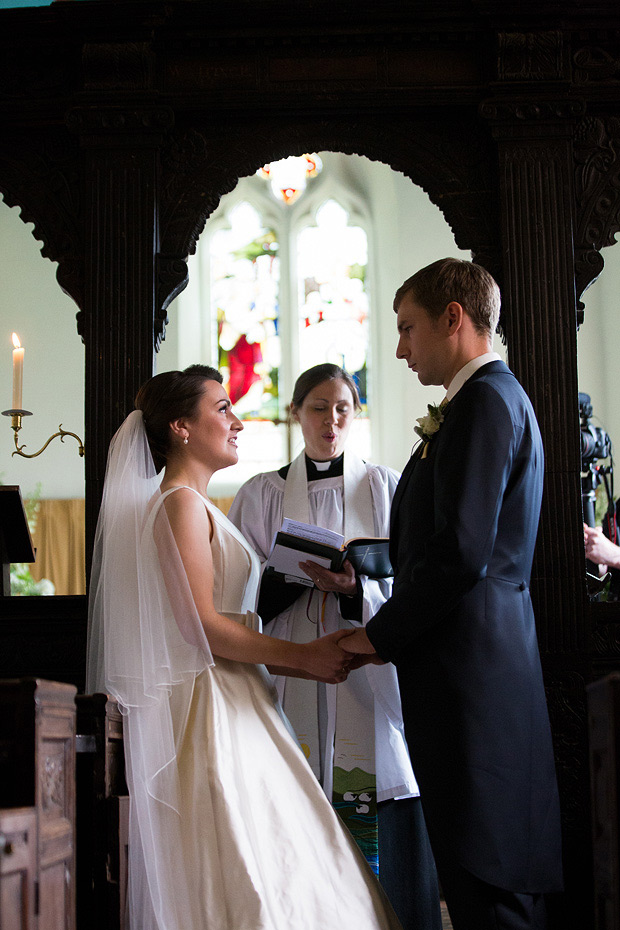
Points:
(431, 422)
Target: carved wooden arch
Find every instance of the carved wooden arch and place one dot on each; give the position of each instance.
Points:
(43, 180)
(597, 190)
(450, 159)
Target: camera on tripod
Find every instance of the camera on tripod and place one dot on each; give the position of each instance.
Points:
(595, 443)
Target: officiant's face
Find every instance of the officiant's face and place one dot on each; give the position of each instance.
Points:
(325, 417)
(421, 342)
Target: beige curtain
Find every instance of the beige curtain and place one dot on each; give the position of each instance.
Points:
(223, 503)
(59, 543)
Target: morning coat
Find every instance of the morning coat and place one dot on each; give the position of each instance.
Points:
(459, 627)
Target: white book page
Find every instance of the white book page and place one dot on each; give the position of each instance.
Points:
(316, 533)
(286, 560)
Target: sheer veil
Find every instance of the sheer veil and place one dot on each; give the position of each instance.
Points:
(145, 647)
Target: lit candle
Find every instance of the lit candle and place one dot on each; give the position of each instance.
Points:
(18, 373)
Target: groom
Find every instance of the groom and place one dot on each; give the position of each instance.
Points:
(459, 625)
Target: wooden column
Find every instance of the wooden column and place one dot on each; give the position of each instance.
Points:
(120, 131)
(535, 162)
(120, 181)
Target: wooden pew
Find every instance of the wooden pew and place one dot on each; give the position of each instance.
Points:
(37, 775)
(102, 814)
(18, 867)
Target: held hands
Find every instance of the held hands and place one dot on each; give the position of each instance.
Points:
(363, 651)
(342, 582)
(325, 660)
(332, 657)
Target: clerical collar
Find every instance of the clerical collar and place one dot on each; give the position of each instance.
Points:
(330, 469)
(467, 371)
(317, 470)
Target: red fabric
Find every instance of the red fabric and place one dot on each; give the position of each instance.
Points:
(242, 359)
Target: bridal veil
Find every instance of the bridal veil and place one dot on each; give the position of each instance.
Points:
(145, 640)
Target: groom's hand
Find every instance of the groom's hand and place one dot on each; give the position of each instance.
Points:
(358, 643)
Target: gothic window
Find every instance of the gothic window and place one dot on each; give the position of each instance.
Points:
(280, 283)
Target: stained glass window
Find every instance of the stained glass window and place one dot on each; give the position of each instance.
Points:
(333, 302)
(287, 290)
(245, 275)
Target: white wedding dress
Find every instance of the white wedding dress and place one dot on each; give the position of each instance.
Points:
(262, 846)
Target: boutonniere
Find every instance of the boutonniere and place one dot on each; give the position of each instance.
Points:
(429, 425)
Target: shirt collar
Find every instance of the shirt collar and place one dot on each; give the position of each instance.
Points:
(467, 371)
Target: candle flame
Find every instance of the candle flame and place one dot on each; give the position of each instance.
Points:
(16, 341)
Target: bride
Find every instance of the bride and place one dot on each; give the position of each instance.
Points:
(229, 829)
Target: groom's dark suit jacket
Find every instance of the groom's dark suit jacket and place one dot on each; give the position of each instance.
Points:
(460, 629)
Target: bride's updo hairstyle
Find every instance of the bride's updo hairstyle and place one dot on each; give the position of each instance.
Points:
(167, 397)
(316, 375)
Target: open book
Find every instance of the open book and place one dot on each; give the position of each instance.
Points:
(297, 542)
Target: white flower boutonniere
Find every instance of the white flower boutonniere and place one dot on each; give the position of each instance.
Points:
(430, 424)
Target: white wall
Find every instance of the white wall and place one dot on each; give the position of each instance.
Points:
(598, 344)
(33, 305)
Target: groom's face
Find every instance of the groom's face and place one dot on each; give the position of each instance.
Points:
(421, 342)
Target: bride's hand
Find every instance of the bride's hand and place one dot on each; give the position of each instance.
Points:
(325, 660)
(342, 582)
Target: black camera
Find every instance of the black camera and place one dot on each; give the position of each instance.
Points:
(595, 443)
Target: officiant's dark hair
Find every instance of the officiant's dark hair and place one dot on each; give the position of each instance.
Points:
(470, 285)
(167, 397)
(316, 375)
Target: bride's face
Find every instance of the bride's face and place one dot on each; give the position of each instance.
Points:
(214, 428)
(325, 417)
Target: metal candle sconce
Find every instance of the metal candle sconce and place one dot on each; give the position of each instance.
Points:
(16, 425)
(16, 412)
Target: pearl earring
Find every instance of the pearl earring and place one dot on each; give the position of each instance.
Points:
(186, 440)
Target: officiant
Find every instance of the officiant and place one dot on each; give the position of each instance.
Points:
(351, 733)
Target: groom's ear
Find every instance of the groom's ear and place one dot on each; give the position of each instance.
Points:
(453, 316)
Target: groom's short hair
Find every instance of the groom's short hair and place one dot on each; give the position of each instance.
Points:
(470, 285)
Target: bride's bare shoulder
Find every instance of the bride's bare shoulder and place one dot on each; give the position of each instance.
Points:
(186, 508)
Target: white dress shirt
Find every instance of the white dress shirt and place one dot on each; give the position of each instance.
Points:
(465, 373)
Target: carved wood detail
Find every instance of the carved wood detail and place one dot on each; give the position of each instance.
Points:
(594, 64)
(52, 783)
(41, 175)
(452, 163)
(118, 65)
(531, 56)
(597, 189)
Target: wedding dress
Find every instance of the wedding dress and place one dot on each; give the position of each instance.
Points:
(266, 848)
(229, 828)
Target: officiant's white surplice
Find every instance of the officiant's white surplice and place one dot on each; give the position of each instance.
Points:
(334, 723)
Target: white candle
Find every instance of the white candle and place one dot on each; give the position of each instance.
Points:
(18, 373)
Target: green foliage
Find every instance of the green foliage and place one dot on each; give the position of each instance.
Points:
(22, 582)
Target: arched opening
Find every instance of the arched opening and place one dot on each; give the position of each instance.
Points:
(404, 231)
